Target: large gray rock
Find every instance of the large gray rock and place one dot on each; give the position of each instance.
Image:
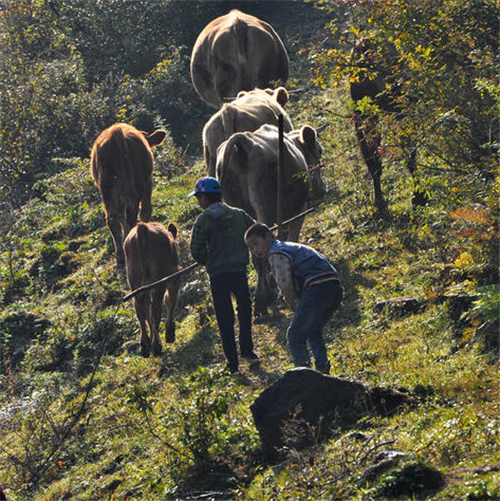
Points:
(304, 405)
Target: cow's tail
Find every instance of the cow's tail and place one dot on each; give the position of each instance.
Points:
(240, 29)
(238, 146)
(227, 121)
(142, 251)
(122, 165)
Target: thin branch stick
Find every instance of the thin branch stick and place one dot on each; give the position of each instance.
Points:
(194, 265)
(163, 441)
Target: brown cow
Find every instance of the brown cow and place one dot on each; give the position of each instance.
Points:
(122, 167)
(151, 253)
(377, 80)
(247, 169)
(246, 113)
(236, 52)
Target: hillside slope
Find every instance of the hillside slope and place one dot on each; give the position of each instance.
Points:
(94, 417)
(84, 417)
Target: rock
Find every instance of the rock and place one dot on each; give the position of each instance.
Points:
(411, 479)
(457, 304)
(382, 462)
(400, 306)
(304, 405)
(488, 334)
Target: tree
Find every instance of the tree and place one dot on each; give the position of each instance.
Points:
(445, 77)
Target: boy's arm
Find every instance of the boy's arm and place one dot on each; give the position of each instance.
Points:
(281, 268)
(198, 246)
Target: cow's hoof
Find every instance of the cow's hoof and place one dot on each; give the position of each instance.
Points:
(157, 351)
(145, 348)
(170, 335)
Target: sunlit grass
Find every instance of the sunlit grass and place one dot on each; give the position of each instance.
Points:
(134, 413)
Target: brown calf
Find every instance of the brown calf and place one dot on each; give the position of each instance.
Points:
(151, 253)
(122, 167)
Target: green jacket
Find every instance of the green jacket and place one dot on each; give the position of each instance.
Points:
(217, 239)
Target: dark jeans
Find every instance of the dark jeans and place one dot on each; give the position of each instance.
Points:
(315, 308)
(223, 285)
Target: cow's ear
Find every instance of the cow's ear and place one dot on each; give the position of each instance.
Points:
(172, 229)
(308, 135)
(281, 95)
(241, 94)
(156, 138)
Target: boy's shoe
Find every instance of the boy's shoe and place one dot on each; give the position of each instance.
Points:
(232, 369)
(251, 355)
(325, 369)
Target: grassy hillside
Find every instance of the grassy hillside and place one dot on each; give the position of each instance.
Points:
(84, 417)
(97, 421)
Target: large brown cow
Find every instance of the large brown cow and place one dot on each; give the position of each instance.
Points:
(246, 113)
(122, 167)
(151, 253)
(247, 169)
(236, 52)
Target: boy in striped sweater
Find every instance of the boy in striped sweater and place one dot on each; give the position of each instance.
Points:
(310, 286)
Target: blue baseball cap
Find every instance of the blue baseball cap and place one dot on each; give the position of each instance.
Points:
(206, 185)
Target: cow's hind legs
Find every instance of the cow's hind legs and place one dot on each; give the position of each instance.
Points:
(369, 142)
(114, 223)
(170, 302)
(154, 321)
(146, 207)
(141, 310)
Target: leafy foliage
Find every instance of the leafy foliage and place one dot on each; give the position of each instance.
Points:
(438, 61)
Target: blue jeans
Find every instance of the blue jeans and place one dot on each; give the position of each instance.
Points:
(316, 307)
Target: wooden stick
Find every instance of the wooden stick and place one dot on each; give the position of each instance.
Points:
(281, 154)
(292, 219)
(192, 266)
(161, 281)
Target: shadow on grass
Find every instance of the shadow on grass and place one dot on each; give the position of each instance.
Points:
(198, 351)
(349, 313)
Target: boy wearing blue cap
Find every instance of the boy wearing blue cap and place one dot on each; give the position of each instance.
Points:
(217, 242)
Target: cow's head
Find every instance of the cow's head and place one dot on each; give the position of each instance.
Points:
(317, 185)
(280, 94)
(306, 140)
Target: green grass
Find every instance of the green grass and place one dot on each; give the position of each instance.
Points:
(159, 428)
